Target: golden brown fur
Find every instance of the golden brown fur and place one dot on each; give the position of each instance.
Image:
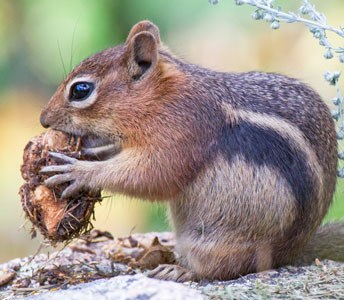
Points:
(247, 162)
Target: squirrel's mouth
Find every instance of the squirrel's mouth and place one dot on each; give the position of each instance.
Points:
(95, 147)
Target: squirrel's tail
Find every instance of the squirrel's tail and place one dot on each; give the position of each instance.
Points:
(326, 243)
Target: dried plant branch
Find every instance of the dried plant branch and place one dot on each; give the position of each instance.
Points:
(316, 22)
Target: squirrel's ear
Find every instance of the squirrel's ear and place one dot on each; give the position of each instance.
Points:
(142, 54)
(145, 26)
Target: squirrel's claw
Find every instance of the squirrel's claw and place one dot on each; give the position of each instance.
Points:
(58, 179)
(58, 168)
(72, 171)
(172, 272)
(72, 189)
(101, 151)
(53, 169)
(63, 157)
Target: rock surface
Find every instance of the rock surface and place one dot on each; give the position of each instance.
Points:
(98, 267)
(128, 287)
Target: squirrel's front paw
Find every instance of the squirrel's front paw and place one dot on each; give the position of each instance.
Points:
(74, 171)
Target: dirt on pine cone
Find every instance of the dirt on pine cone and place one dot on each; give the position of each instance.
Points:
(57, 219)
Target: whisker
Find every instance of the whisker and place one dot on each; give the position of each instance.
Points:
(72, 45)
(63, 65)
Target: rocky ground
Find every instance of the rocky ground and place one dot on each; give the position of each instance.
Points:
(99, 265)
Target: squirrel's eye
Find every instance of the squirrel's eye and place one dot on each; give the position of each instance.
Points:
(80, 91)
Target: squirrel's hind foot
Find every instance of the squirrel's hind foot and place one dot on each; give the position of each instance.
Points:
(172, 272)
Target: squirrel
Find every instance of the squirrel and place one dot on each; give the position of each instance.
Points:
(247, 162)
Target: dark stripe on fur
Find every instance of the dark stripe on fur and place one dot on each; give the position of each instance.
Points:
(261, 146)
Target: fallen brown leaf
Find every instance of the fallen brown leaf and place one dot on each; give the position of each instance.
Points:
(83, 249)
(7, 278)
(153, 256)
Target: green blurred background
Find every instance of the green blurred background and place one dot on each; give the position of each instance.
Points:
(39, 39)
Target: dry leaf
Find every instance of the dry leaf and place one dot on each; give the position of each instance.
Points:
(318, 262)
(153, 256)
(7, 278)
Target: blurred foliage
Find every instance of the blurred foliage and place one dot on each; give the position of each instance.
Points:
(42, 40)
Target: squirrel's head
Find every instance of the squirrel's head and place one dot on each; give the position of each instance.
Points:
(112, 93)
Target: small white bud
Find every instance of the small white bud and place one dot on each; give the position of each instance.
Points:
(318, 33)
(268, 17)
(332, 78)
(305, 9)
(340, 135)
(275, 25)
(335, 114)
(340, 173)
(341, 58)
(328, 54)
(256, 15)
(336, 100)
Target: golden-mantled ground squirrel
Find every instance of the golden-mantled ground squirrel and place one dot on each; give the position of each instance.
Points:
(246, 161)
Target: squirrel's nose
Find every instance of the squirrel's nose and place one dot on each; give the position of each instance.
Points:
(43, 119)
